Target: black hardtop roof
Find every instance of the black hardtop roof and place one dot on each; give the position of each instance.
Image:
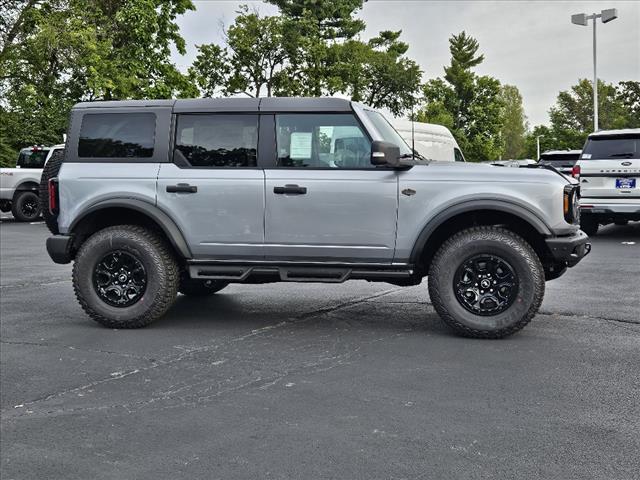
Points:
(267, 104)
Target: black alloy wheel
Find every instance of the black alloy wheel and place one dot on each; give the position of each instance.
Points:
(486, 285)
(30, 207)
(120, 279)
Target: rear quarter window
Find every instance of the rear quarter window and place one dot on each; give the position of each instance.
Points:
(117, 135)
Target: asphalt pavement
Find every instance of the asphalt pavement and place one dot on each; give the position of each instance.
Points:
(319, 381)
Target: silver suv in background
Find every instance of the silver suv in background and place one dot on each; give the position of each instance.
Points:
(167, 196)
(561, 160)
(609, 173)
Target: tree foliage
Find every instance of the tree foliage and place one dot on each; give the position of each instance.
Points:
(572, 115)
(312, 48)
(514, 127)
(58, 52)
(471, 106)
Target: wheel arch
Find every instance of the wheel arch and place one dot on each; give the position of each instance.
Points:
(28, 185)
(479, 212)
(127, 211)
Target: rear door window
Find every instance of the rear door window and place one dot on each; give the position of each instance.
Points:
(612, 148)
(117, 135)
(217, 140)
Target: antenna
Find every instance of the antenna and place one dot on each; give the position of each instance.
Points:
(413, 134)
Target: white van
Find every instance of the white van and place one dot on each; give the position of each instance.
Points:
(434, 142)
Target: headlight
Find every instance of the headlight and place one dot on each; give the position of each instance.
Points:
(570, 204)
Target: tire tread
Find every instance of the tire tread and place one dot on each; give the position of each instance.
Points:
(163, 300)
(488, 233)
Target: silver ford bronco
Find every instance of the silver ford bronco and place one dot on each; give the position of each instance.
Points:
(158, 197)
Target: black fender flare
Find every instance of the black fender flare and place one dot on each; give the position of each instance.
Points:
(163, 220)
(26, 186)
(474, 205)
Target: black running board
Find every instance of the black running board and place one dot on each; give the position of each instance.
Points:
(296, 272)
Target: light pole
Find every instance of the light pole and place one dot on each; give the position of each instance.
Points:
(538, 145)
(583, 19)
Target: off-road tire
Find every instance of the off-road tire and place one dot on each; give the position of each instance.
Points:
(18, 203)
(51, 170)
(159, 262)
(200, 288)
(486, 240)
(589, 225)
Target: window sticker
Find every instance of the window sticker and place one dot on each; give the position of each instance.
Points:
(300, 146)
(586, 155)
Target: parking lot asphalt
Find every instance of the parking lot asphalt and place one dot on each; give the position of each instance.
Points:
(314, 381)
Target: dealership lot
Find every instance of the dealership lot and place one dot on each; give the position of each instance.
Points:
(353, 380)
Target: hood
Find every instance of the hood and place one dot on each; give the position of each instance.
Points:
(482, 172)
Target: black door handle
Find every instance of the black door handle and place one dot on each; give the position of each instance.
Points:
(290, 189)
(182, 188)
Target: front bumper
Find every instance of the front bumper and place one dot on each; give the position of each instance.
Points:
(570, 249)
(59, 248)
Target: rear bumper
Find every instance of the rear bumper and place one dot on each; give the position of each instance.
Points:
(604, 207)
(570, 249)
(59, 248)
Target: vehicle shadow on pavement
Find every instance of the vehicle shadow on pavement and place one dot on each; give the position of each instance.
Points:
(229, 310)
(629, 231)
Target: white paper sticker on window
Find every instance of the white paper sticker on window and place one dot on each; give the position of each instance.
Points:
(586, 155)
(300, 146)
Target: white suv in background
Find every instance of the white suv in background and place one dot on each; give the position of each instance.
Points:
(609, 173)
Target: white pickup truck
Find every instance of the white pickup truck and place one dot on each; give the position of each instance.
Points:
(19, 185)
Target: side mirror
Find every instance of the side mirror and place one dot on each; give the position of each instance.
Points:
(385, 153)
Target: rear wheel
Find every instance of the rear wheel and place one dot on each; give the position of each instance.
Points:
(589, 225)
(125, 276)
(200, 288)
(26, 207)
(486, 282)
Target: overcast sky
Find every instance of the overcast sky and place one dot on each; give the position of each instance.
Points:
(530, 44)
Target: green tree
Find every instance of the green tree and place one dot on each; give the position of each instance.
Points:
(629, 94)
(572, 114)
(58, 52)
(313, 32)
(210, 70)
(257, 53)
(574, 108)
(259, 59)
(377, 73)
(515, 122)
(469, 105)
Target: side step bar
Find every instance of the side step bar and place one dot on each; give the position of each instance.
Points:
(295, 272)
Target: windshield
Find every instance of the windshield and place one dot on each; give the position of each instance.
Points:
(32, 159)
(619, 147)
(387, 132)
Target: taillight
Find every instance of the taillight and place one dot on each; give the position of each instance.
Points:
(53, 196)
(575, 171)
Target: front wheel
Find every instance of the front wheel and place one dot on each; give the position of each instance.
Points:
(486, 282)
(125, 276)
(26, 207)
